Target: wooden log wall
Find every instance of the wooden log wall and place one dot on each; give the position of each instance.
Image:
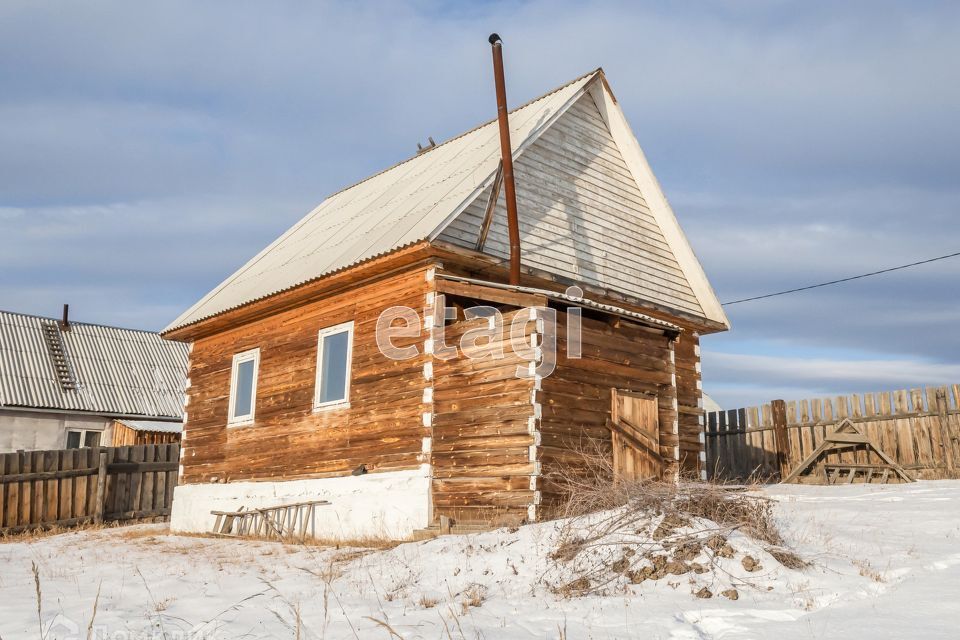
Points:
(576, 398)
(73, 486)
(482, 430)
(689, 403)
(381, 429)
(918, 428)
(686, 350)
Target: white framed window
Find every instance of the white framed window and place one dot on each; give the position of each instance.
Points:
(334, 355)
(243, 387)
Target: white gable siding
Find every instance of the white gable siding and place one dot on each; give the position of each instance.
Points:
(582, 215)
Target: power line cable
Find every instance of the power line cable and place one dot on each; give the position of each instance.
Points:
(825, 284)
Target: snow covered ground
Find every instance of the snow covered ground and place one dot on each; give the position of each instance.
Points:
(886, 564)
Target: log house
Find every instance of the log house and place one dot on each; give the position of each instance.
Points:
(291, 396)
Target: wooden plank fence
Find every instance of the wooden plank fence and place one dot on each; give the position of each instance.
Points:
(918, 428)
(75, 486)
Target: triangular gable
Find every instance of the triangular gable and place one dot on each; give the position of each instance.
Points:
(657, 202)
(591, 211)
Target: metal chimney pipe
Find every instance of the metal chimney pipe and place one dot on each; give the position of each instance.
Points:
(506, 153)
(65, 325)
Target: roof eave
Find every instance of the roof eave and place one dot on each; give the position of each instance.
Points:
(298, 294)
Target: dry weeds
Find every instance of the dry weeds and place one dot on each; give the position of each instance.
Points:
(376, 543)
(473, 596)
(45, 531)
(428, 602)
(626, 532)
(867, 570)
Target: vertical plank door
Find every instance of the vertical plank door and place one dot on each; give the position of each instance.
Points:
(635, 436)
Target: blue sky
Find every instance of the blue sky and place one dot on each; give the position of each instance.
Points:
(146, 151)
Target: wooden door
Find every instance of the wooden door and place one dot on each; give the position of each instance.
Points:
(635, 436)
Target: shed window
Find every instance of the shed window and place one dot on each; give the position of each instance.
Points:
(334, 347)
(243, 387)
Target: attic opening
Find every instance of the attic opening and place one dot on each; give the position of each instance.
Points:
(463, 293)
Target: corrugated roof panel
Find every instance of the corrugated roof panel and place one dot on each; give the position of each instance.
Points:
(118, 371)
(153, 425)
(392, 209)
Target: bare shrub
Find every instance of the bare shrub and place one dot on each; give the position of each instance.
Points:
(620, 531)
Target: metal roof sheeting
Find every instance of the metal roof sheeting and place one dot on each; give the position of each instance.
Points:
(120, 372)
(153, 425)
(392, 209)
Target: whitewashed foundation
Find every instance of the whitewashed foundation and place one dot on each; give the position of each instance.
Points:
(383, 505)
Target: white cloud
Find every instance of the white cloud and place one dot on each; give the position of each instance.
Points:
(737, 379)
(148, 150)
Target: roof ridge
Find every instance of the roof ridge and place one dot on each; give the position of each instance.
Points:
(465, 133)
(80, 322)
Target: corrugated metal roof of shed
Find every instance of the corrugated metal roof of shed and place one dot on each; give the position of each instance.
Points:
(392, 209)
(120, 372)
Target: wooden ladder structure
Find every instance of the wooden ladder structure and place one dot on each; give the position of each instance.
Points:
(281, 522)
(58, 355)
(846, 436)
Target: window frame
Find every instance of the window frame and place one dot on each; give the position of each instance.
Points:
(83, 438)
(238, 359)
(343, 403)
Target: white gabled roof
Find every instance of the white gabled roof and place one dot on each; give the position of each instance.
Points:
(392, 209)
(418, 199)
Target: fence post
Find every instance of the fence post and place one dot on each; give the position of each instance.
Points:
(779, 411)
(946, 437)
(101, 487)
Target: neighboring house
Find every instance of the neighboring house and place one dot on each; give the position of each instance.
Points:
(291, 397)
(64, 384)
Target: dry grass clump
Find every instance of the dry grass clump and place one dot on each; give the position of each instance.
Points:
(788, 558)
(867, 570)
(626, 532)
(428, 602)
(473, 596)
